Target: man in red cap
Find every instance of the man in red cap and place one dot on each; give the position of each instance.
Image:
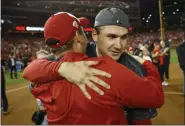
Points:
(64, 102)
(82, 66)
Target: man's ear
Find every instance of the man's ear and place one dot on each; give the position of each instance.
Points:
(94, 35)
(75, 40)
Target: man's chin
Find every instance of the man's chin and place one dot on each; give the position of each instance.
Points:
(115, 57)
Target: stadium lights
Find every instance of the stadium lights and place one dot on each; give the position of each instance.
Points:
(150, 15)
(34, 28)
(147, 21)
(20, 28)
(143, 18)
(163, 12)
(2, 21)
(175, 2)
(39, 29)
(173, 12)
(177, 10)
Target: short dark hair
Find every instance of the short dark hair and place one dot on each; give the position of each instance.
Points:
(65, 47)
(98, 29)
(80, 31)
(51, 41)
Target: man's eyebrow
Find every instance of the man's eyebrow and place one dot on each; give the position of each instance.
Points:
(112, 34)
(125, 35)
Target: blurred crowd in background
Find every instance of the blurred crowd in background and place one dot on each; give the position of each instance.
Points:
(23, 49)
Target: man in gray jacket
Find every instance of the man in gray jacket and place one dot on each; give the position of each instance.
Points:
(181, 54)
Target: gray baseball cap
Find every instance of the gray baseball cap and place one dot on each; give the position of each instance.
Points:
(112, 16)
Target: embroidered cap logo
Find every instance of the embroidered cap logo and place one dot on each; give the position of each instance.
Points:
(75, 24)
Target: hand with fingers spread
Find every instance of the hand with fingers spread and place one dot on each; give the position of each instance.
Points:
(81, 74)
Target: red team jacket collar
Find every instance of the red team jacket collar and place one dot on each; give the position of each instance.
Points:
(74, 56)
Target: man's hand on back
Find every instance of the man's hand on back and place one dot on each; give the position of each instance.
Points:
(139, 59)
(81, 74)
(41, 54)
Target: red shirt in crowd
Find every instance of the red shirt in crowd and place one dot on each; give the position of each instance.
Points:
(66, 104)
(159, 58)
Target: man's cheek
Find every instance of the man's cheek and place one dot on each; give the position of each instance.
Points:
(124, 45)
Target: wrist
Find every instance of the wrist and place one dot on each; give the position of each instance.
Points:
(62, 68)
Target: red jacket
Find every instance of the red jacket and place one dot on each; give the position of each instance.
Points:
(65, 103)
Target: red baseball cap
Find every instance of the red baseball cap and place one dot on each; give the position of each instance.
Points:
(63, 27)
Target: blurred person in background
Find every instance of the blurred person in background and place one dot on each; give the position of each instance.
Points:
(158, 60)
(4, 100)
(166, 53)
(147, 45)
(130, 51)
(12, 66)
(25, 60)
(181, 57)
(167, 59)
(19, 64)
(145, 53)
(138, 52)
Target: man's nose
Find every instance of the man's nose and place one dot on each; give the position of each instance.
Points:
(118, 44)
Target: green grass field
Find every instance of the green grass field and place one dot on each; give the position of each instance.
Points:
(14, 81)
(173, 59)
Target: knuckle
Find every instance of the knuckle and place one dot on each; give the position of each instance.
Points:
(98, 90)
(98, 81)
(81, 80)
(88, 74)
(96, 71)
(83, 64)
(92, 86)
